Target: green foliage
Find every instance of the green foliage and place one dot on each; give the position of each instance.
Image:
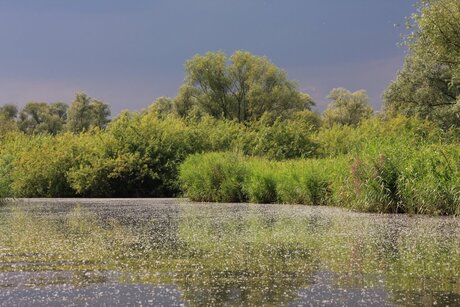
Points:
(259, 180)
(214, 177)
(39, 167)
(373, 184)
(281, 139)
(42, 118)
(429, 182)
(260, 185)
(388, 179)
(241, 87)
(308, 182)
(381, 165)
(85, 113)
(379, 133)
(9, 111)
(428, 85)
(138, 155)
(7, 124)
(347, 108)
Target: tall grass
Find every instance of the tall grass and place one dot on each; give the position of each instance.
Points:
(214, 177)
(395, 180)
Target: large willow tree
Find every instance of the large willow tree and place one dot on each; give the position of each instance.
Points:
(428, 85)
(241, 87)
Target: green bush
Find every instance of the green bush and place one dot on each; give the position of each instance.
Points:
(39, 168)
(396, 180)
(215, 177)
(379, 133)
(402, 180)
(138, 155)
(398, 165)
(430, 181)
(260, 184)
(304, 182)
(280, 140)
(373, 184)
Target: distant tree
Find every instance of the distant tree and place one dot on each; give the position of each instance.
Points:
(163, 106)
(59, 109)
(428, 85)
(242, 87)
(347, 108)
(100, 113)
(85, 113)
(8, 114)
(9, 111)
(40, 117)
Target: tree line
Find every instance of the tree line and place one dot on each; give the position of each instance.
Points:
(242, 87)
(82, 114)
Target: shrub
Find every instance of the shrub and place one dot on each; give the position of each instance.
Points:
(430, 181)
(304, 182)
(216, 177)
(260, 184)
(373, 184)
(39, 168)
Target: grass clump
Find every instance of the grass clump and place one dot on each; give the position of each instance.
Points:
(430, 181)
(381, 180)
(214, 177)
(228, 177)
(260, 184)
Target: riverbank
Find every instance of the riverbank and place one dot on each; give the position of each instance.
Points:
(399, 165)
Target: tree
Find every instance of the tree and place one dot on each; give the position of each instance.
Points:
(85, 113)
(428, 85)
(100, 113)
(9, 111)
(8, 114)
(347, 108)
(163, 106)
(242, 87)
(40, 117)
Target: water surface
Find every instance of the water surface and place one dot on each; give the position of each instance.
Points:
(172, 252)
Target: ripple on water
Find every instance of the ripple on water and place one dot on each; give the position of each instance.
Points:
(172, 252)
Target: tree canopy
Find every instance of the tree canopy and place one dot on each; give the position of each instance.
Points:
(40, 117)
(52, 118)
(347, 108)
(85, 113)
(428, 85)
(240, 87)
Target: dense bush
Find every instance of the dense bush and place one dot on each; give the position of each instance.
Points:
(398, 181)
(258, 180)
(380, 133)
(39, 167)
(214, 177)
(137, 155)
(430, 181)
(397, 165)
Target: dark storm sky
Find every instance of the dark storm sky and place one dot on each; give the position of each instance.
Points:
(130, 52)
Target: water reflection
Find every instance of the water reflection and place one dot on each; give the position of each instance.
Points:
(213, 254)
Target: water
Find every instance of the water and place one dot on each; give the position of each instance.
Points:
(173, 253)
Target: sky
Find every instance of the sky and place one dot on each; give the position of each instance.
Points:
(128, 53)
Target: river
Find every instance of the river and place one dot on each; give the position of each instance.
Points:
(171, 252)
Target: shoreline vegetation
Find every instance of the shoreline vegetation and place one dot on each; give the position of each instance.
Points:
(239, 130)
(399, 165)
